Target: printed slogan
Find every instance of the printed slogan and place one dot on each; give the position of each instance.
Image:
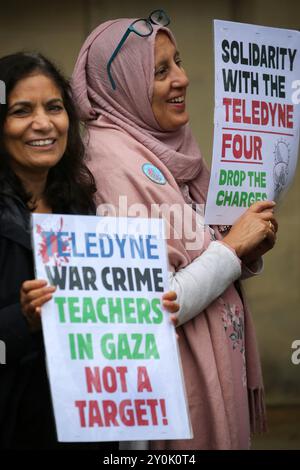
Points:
(256, 122)
(111, 349)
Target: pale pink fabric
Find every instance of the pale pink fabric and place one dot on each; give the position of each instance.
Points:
(123, 135)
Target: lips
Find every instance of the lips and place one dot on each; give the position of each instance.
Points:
(41, 143)
(177, 100)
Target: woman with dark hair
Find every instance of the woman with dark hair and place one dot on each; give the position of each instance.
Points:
(42, 169)
(70, 185)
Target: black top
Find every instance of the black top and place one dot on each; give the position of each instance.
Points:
(26, 417)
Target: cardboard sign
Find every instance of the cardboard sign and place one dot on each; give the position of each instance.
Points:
(257, 117)
(111, 350)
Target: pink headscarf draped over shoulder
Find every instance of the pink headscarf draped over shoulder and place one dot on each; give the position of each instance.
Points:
(129, 106)
(125, 115)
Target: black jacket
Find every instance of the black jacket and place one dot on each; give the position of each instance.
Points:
(25, 406)
(26, 417)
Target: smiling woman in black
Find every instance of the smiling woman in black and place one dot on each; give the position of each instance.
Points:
(41, 170)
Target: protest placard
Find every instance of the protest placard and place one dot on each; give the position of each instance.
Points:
(257, 117)
(111, 350)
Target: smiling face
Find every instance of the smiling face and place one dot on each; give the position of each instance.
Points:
(36, 127)
(170, 84)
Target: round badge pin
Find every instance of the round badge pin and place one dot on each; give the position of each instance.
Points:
(153, 173)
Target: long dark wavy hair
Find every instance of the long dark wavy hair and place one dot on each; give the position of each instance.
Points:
(70, 185)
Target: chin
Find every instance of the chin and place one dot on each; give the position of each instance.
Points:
(178, 124)
(173, 122)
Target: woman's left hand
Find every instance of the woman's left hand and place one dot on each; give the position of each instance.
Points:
(170, 305)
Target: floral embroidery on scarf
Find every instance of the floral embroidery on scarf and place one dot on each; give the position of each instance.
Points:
(231, 318)
(233, 323)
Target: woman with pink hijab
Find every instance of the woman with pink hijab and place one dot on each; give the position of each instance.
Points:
(130, 90)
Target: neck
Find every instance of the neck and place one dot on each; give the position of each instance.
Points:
(41, 207)
(35, 184)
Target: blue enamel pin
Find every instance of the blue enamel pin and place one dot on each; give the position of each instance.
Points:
(153, 173)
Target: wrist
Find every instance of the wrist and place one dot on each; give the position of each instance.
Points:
(235, 246)
(250, 260)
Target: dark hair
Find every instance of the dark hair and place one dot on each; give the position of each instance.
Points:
(70, 185)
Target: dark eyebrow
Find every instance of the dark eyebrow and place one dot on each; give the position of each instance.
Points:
(28, 103)
(19, 103)
(162, 62)
(165, 61)
(54, 100)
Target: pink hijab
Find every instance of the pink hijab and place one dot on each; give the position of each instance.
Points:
(123, 135)
(129, 106)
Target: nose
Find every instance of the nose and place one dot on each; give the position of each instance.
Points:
(180, 78)
(41, 122)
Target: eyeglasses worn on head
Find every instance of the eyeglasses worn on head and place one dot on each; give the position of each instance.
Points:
(142, 27)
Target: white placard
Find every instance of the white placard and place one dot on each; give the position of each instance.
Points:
(257, 117)
(111, 350)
